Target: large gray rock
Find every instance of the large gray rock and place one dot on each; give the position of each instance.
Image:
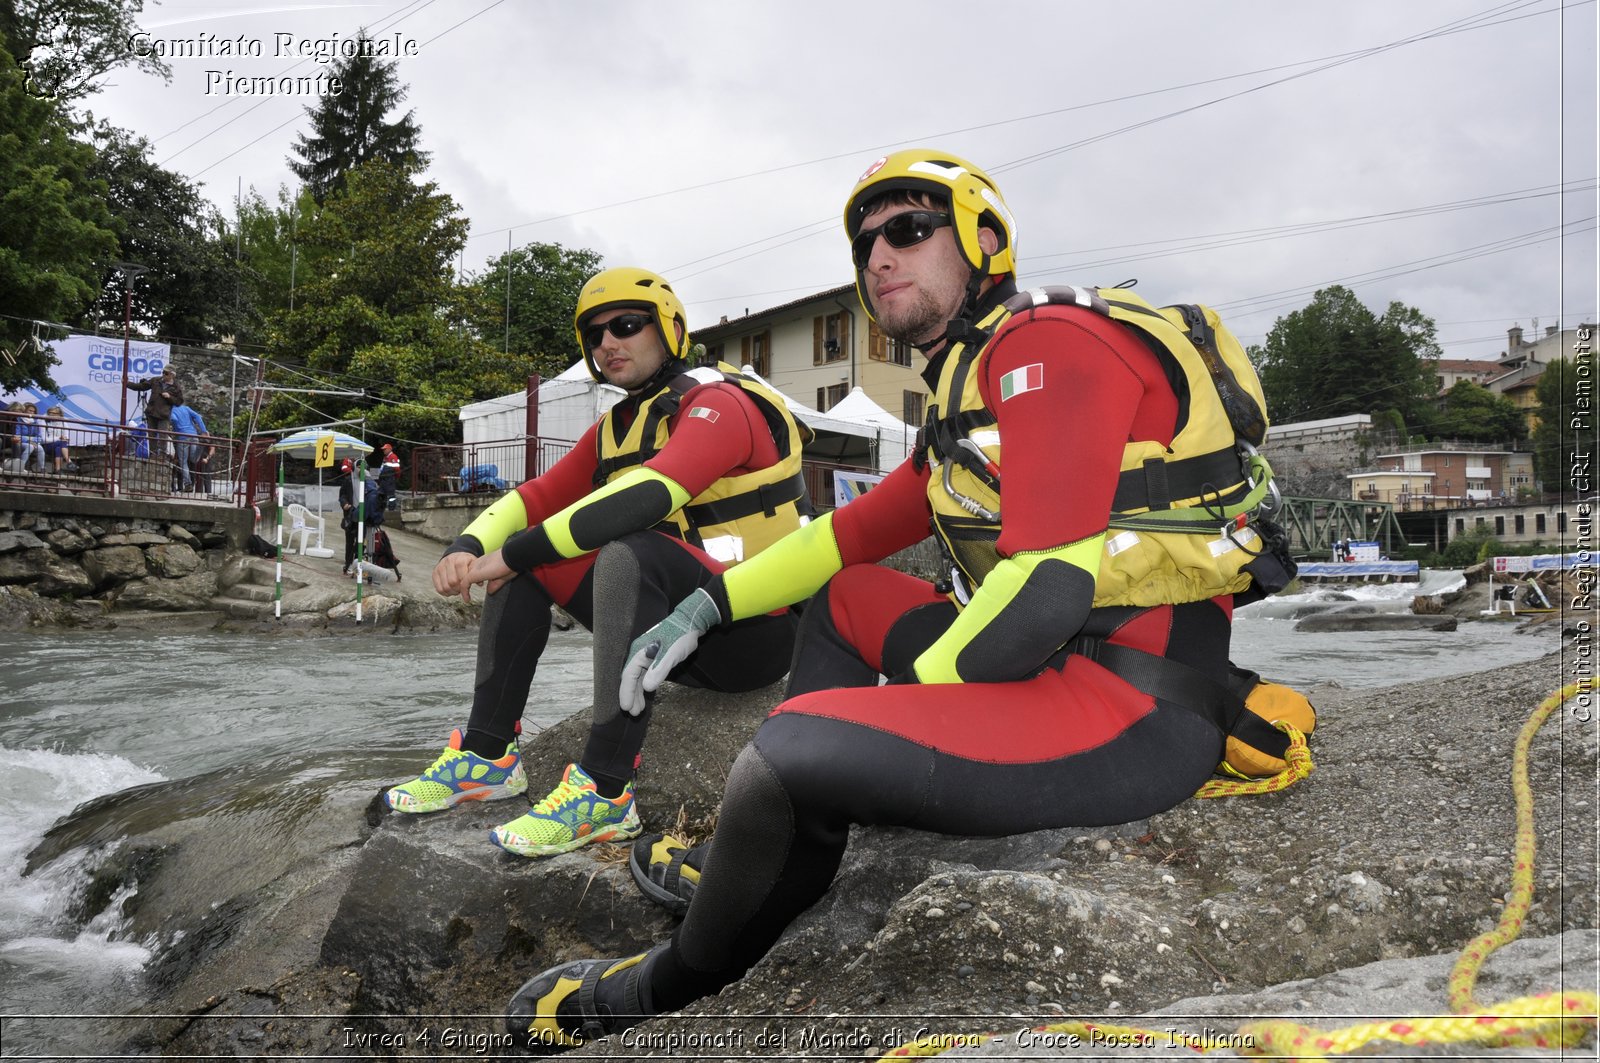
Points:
(62, 577)
(276, 902)
(173, 560)
(107, 565)
(194, 591)
(1231, 1023)
(19, 540)
(24, 566)
(69, 541)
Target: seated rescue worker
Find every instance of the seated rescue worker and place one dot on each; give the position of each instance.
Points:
(990, 723)
(693, 471)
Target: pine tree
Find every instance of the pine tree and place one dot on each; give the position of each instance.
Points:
(349, 128)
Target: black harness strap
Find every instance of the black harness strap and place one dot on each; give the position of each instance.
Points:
(759, 500)
(1158, 482)
(1179, 684)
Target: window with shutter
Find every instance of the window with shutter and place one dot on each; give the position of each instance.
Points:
(877, 343)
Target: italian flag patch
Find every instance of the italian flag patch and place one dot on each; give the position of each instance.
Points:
(1021, 381)
(703, 411)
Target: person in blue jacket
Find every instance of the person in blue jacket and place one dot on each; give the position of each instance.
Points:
(190, 432)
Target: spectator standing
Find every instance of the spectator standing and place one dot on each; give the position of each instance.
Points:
(164, 393)
(189, 432)
(347, 512)
(200, 467)
(388, 476)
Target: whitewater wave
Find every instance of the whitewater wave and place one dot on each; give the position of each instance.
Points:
(37, 930)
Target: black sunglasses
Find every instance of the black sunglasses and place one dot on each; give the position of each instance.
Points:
(622, 326)
(903, 230)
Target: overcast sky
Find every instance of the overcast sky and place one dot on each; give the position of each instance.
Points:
(1238, 153)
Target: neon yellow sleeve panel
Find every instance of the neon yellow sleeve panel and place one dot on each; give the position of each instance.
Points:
(790, 570)
(605, 516)
(937, 664)
(499, 522)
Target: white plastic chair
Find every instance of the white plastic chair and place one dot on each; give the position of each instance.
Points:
(304, 523)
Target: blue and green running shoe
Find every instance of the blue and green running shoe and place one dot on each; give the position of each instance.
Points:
(571, 815)
(459, 776)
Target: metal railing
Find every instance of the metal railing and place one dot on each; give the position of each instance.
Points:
(111, 461)
(69, 456)
(498, 465)
(468, 468)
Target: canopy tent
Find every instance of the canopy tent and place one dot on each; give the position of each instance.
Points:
(309, 444)
(569, 403)
(857, 431)
(896, 439)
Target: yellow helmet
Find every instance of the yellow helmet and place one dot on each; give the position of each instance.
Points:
(628, 286)
(973, 197)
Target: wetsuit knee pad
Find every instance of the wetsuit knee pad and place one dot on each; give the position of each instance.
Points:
(617, 571)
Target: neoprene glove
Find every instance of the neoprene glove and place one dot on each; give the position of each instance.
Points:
(664, 647)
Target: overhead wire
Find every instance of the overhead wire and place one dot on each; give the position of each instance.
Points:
(1465, 24)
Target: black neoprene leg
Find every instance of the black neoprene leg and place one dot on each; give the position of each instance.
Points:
(638, 580)
(512, 634)
(1066, 748)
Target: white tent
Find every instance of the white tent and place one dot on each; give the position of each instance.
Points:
(895, 438)
(855, 432)
(568, 404)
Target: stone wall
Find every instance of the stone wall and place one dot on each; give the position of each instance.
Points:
(441, 517)
(1316, 467)
(131, 554)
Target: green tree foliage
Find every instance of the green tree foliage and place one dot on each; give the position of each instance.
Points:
(384, 314)
(193, 290)
(1473, 412)
(352, 127)
(1563, 419)
(55, 230)
(1470, 548)
(1336, 357)
(66, 46)
(276, 264)
(545, 281)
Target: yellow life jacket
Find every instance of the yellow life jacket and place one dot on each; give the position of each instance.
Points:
(1183, 526)
(737, 516)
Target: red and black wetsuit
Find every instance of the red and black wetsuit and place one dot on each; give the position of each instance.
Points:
(1027, 736)
(625, 576)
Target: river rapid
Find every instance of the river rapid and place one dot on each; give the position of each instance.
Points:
(89, 713)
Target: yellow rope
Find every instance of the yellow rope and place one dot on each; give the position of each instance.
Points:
(1547, 1020)
(1298, 767)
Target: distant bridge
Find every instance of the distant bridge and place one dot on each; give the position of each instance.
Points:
(1314, 524)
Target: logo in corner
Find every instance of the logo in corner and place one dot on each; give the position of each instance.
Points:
(874, 168)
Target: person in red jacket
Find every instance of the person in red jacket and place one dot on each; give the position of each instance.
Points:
(995, 718)
(692, 472)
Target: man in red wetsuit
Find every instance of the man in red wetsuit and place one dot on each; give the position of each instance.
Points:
(693, 471)
(989, 723)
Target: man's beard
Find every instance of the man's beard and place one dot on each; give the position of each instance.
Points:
(921, 322)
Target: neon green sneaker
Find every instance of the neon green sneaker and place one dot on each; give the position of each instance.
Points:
(459, 776)
(571, 815)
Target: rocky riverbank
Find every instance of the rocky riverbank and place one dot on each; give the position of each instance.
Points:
(69, 571)
(405, 936)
